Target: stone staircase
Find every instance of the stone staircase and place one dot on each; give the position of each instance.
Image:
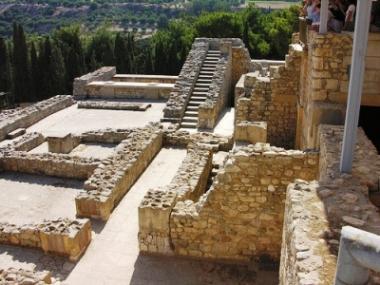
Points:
(201, 88)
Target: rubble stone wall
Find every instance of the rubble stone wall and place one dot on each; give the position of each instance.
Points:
(272, 99)
(25, 142)
(316, 211)
(62, 237)
(116, 174)
(154, 211)
(241, 216)
(102, 74)
(51, 164)
(25, 117)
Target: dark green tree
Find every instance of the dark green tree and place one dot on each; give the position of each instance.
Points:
(121, 55)
(21, 79)
(34, 73)
(5, 70)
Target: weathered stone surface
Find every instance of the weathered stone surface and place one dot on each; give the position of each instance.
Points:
(24, 277)
(251, 132)
(63, 236)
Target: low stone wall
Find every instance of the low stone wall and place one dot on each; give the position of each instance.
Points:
(24, 143)
(154, 211)
(22, 276)
(102, 74)
(316, 211)
(51, 164)
(128, 90)
(62, 237)
(184, 139)
(176, 105)
(145, 78)
(241, 216)
(111, 136)
(113, 105)
(116, 174)
(25, 117)
(217, 96)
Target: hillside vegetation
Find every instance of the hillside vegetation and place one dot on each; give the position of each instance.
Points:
(34, 67)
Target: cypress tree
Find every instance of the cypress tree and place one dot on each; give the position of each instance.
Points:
(121, 54)
(5, 70)
(21, 82)
(35, 72)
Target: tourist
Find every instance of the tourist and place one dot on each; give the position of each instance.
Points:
(316, 17)
(307, 8)
(349, 23)
(336, 16)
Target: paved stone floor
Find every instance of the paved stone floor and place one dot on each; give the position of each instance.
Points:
(28, 198)
(74, 120)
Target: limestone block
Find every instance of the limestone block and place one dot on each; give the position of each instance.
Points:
(251, 132)
(61, 143)
(16, 133)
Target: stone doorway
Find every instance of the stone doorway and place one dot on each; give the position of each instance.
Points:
(369, 121)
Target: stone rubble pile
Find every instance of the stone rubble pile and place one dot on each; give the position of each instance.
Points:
(116, 174)
(62, 236)
(13, 276)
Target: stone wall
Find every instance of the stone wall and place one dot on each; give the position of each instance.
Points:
(271, 99)
(175, 106)
(241, 216)
(324, 82)
(145, 78)
(25, 117)
(116, 174)
(51, 164)
(184, 139)
(154, 211)
(113, 105)
(316, 211)
(63, 236)
(24, 143)
(110, 136)
(102, 74)
(128, 90)
(218, 94)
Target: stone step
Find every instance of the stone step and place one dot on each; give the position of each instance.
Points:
(202, 85)
(206, 73)
(194, 103)
(203, 76)
(198, 98)
(189, 125)
(192, 109)
(190, 119)
(210, 69)
(209, 65)
(199, 93)
(189, 113)
(211, 59)
(208, 81)
(201, 89)
(211, 51)
(210, 62)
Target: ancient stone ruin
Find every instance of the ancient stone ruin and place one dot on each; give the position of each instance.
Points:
(234, 160)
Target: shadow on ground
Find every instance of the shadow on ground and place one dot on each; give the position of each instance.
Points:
(161, 270)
